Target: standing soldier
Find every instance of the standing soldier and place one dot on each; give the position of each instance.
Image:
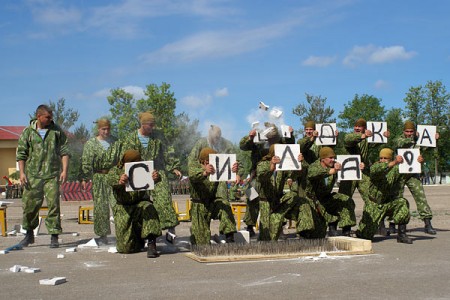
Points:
(408, 140)
(385, 198)
(43, 157)
(93, 168)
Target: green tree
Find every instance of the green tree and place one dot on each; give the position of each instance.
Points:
(429, 105)
(365, 106)
(64, 117)
(123, 112)
(315, 110)
(162, 102)
(395, 125)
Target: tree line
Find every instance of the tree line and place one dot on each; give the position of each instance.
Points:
(428, 105)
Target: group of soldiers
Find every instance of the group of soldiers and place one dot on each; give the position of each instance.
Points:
(140, 216)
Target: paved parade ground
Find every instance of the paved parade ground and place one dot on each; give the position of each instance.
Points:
(393, 271)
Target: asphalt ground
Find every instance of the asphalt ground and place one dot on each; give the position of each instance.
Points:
(393, 271)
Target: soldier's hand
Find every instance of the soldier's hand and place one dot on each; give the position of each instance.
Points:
(155, 175)
(123, 179)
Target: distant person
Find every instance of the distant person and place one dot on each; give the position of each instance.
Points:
(135, 216)
(43, 157)
(93, 168)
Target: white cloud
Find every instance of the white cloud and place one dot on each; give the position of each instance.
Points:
(194, 102)
(136, 91)
(213, 44)
(381, 84)
(372, 54)
(221, 92)
(318, 61)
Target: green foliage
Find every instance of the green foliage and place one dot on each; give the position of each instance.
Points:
(64, 117)
(123, 113)
(429, 104)
(315, 110)
(161, 101)
(365, 106)
(395, 125)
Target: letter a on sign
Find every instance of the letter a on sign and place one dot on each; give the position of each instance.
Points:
(427, 135)
(139, 176)
(288, 154)
(349, 167)
(222, 163)
(326, 134)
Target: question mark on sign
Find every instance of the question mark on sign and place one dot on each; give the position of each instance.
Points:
(409, 158)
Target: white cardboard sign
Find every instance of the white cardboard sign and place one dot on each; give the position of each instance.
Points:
(288, 154)
(410, 163)
(327, 134)
(427, 135)
(349, 167)
(139, 176)
(377, 128)
(222, 163)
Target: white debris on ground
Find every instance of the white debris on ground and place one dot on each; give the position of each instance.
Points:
(24, 269)
(53, 281)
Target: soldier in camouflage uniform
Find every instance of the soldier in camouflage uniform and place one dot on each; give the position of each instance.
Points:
(209, 201)
(135, 216)
(336, 209)
(92, 168)
(408, 140)
(385, 198)
(152, 145)
(356, 144)
(258, 151)
(43, 157)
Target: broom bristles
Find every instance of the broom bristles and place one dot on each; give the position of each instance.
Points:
(271, 247)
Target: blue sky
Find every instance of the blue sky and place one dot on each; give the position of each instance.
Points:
(220, 57)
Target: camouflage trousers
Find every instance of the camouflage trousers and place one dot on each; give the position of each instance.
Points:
(201, 215)
(340, 206)
(251, 212)
(32, 199)
(264, 219)
(103, 199)
(162, 199)
(416, 188)
(134, 223)
(374, 214)
(299, 209)
(348, 187)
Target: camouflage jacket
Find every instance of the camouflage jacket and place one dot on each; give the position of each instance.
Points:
(203, 189)
(42, 156)
(92, 158)
(162, 156)
(320, 183)
(386, 184)
(309, 149)
(224, 146)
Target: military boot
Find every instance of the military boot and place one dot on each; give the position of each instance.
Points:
(402, 237)
(392, 228)
(229, 237)
(346, 230)
(382, 230)
(54, 241)
(428, 227)
(332, 229)
(29, 239)
(151, 250)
